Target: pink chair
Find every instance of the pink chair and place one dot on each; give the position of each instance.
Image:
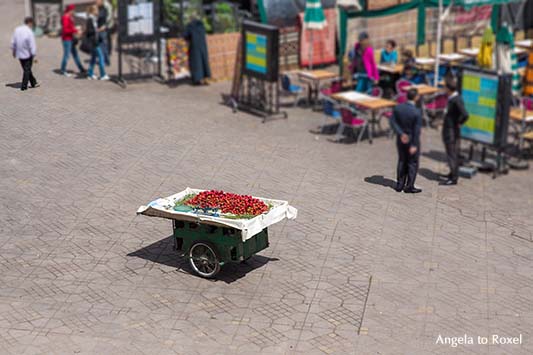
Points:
(528, 103)
(336, 86)
(402, 85)
(350, 119)
(437, 104)
(376, 91)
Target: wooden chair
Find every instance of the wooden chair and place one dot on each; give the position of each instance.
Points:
(448, 47)
(476, 41)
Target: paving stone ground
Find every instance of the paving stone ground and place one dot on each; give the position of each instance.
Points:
(81, 273)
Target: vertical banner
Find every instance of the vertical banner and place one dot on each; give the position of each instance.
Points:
(323, 41)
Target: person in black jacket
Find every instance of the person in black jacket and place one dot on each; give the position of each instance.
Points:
(454, 117)
(406, 122)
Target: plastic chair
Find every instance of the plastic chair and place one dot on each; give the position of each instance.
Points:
(528, 103)
(350, 119)
(291, 89)
(376, 91)
(437, 104)
(331, 110)
(336, 86)
(401, 85)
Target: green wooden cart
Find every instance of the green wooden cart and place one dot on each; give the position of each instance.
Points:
(211, 241)
(209, 247)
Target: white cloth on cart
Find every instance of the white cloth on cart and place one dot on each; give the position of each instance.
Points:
(163, 208)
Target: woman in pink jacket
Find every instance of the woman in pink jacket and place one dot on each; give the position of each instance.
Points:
(364, 66)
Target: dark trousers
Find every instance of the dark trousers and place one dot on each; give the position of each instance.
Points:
(27, 75)
(407, 165)
(452, 147)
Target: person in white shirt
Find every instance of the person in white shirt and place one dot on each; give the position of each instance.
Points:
(24, 49)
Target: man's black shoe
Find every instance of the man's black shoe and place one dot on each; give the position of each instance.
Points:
(23, 89)
(398, 187)
(449, 182)
(412, 190)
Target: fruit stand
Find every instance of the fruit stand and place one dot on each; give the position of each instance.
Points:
(212, 228)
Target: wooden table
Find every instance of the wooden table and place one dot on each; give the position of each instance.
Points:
(526, 43)
(425, 61)
(453, 57)
(391, 69)
(314, 78)
(424, 90)
(473, 52)
(374, 104)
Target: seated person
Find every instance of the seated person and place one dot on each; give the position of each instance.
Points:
(389, 55)
(410, 70)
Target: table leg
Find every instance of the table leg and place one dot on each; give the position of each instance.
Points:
(372, 123)
(424, 111)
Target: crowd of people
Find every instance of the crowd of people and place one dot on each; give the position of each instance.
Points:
(94, 39)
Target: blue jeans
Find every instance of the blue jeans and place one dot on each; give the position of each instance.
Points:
(97, 54)
(363, 83)
(105, 46)
(68, 49)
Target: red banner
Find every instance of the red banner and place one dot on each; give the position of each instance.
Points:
(323, 41)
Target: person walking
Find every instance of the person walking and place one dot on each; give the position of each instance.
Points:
(102, 19)
(454, 117)
(24, 49)
(95, 41)
(363, 65)
(69, 39)
(406, 122)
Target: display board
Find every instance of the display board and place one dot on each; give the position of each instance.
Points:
(47, 15)
(487, 100)
(260, 51)
(138, 20)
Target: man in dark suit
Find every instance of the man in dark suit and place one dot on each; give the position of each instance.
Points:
(406, 122)
(454, 117)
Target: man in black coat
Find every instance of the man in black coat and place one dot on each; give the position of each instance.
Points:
(406, 122)
(454, 117)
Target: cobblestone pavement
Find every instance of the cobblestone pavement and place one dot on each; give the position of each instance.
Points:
(81, 273)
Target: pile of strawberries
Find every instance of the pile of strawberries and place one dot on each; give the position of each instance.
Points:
(228, 203)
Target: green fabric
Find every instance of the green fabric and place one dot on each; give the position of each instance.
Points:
(421, 25)
(343, 37)
(314, 15)
(262, 13)
(495, 18)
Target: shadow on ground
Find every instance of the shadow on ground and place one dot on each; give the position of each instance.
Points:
(380, 180)
(163, 252)
(14, 85)
(430, 174)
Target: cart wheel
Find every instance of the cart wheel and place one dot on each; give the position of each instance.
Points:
(204, 260)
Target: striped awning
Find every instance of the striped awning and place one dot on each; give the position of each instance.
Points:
(314, 18)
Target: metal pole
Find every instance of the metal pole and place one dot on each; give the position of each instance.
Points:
(311, 51)
(439, 39)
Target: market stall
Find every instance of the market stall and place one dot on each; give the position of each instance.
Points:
(212, 228)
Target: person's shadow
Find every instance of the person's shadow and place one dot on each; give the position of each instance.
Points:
(380, 180)
(430, 175)
(14, 85)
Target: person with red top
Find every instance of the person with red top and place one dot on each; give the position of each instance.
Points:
(69, 37)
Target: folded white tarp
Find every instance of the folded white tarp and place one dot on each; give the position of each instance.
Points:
(164, 208)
